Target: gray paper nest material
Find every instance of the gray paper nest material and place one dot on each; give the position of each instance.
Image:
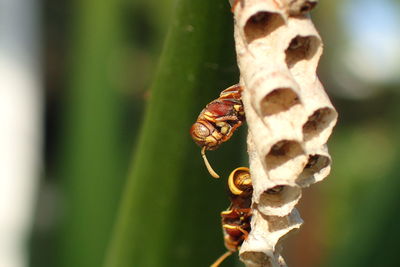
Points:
(289, 115)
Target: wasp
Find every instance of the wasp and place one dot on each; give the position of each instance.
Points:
(218, 121)
(236, 219)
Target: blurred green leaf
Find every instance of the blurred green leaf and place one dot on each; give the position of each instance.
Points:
(91, 160)
(170, 208)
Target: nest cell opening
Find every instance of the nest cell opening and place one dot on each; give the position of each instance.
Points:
(308, 6)
(282, 152)
(257, 258)
(302, 7)
(279, 195)
(301, 48)
(317, 122)
(279, 100)
(262, 24)
(314, 165)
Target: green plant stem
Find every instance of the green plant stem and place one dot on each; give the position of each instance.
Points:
(169, 212)
(91, 158)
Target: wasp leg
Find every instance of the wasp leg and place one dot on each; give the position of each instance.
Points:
(232, 130)
(227, 118)
(235, 213)
(234, 91)
(236, 227)
(226, 128)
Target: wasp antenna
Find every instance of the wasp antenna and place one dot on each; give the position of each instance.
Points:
(209, 168)
(221, 259)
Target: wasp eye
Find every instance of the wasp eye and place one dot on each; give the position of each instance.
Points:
(199, 130)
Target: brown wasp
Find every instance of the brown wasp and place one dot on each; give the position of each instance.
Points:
(236, 219)
(218, 121)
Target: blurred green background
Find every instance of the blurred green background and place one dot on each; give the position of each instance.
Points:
(124, 81)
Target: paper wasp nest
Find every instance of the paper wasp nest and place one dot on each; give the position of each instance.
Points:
(289, 116)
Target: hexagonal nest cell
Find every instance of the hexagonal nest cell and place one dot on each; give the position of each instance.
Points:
(314, 165)
(261, 24)
(279, 195)
(281, 152)
(317, 122)
(278, 100)
(301, 48)
(301, 7)
(256, 258)
(307, 6)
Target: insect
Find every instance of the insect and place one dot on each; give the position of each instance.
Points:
(236, 219)
(218, 121)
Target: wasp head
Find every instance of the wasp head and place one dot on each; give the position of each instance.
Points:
(239, 182)
(205, 134)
